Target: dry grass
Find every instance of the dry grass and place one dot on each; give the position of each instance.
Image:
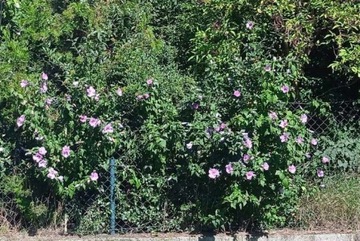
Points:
(335, 207)
(5, 226)
(11, 224)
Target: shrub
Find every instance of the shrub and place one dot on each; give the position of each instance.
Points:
(199, 118)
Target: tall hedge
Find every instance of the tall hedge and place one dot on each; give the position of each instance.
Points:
(192, 98)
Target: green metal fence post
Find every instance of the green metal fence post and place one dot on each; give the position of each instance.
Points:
(112, 196)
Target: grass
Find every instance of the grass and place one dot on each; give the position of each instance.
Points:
(335, 206)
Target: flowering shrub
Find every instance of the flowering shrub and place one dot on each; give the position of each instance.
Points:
(80, 85)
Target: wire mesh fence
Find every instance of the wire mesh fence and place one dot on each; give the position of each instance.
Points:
(134, 203)
(130, 198)
(329, 115)
(8, 212)
(142, 202)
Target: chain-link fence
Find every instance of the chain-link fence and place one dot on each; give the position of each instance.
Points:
(129, 199)
(324, 117)
(142, 202)
(88, 211)
(8, 212)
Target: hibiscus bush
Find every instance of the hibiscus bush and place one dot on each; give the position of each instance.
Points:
(197, 107)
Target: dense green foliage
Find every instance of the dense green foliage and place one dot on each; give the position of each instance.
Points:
(193, 99)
